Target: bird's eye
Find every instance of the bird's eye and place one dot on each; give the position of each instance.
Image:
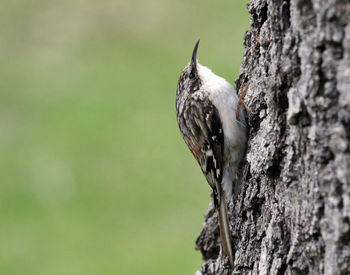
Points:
(191, 75)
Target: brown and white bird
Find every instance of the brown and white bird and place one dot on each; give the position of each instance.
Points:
(206, 107)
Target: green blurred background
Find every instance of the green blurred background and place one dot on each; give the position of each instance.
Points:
(95, 178)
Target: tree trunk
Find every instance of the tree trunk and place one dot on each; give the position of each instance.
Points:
(292, 212)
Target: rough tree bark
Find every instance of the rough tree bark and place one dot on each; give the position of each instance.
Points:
(292, 212)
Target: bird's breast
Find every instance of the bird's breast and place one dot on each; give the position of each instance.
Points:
(226, 101)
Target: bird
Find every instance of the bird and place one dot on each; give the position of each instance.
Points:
(215, 129)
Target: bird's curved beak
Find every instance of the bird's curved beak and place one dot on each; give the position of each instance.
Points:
(194, 55)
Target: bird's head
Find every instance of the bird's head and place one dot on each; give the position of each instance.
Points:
(196, 77)
(189, 80)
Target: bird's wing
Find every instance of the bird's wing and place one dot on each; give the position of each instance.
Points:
(204, 137)
(203, 134)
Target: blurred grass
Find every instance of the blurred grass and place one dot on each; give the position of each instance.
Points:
(95, 178)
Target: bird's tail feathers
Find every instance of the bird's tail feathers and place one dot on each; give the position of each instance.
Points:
(225, 234)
